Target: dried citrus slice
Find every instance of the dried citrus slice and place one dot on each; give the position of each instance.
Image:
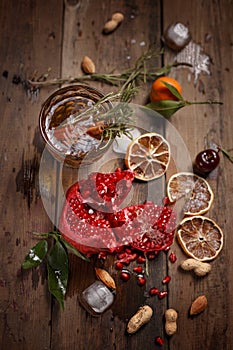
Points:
(195, 191)
(148, 156)
(200, 237)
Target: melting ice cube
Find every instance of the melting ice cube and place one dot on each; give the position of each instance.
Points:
(98, 297)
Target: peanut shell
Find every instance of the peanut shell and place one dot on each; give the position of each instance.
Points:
(142, 316)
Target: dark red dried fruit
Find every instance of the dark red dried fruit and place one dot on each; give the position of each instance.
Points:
(206, 161)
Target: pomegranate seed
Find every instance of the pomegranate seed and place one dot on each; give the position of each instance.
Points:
(162, 294)
(159, 340)
(128, 251)
(172, 257)
(153, 291)
(138, 269)
(125, 275)
(141, 259)
(166, 201)
(166, 279)
(132, 257)
(119, 249)
(141, 280)
(121, 256)
(119, 265)
(166, 249)
(151, 256)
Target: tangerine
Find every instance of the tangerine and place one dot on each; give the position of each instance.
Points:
(159, 91)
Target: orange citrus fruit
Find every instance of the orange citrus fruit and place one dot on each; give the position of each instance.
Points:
(148, 156)
(200, 237)
(159, 91)
(194, 190)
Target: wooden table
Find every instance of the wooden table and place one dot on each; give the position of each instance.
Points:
(40, 37)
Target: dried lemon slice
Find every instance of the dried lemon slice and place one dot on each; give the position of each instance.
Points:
(195, 190)
(148, 156)
(200, 237)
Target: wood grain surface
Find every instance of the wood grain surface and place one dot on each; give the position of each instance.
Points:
(51, 37)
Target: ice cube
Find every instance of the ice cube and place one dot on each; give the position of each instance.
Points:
(121, 143)
(98, 297)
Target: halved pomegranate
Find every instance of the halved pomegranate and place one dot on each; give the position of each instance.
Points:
(90, 228)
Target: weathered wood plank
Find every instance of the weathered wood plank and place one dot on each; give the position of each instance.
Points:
(30, 41)
(119, 50)
(213, 328)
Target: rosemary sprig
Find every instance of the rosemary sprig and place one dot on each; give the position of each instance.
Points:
(139, 72)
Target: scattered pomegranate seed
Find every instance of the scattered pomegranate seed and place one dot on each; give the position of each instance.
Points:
(151, 256)
(153, 291)
(102, 255)
(166, 249)
(141, 259)
(119, 265)
(121, 256)
(159, 340)
(166, 279)
(128, 251)
(138, 269)
(125, 275)
(162, 294)
(172, 257)
(141, 280)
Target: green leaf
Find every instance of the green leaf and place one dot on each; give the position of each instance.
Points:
(173, 90)
(166, 107)
(74, 251)
(58, 271)
(36, 255)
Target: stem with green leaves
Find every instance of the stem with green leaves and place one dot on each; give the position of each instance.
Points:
(168, 107)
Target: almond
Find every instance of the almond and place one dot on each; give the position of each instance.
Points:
(198, 305)
(105, 277)
(88, 65)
